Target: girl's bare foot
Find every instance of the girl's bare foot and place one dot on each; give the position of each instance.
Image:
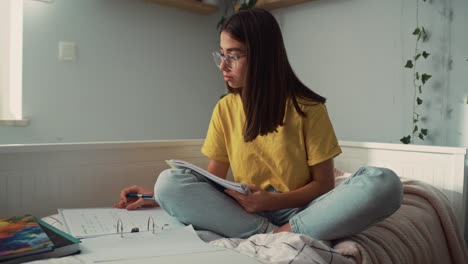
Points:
(284, 228)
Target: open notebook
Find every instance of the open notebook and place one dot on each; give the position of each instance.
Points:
(180, 164)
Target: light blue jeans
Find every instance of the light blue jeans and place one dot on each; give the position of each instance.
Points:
(366, 197)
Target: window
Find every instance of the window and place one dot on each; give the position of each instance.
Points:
(11, 57)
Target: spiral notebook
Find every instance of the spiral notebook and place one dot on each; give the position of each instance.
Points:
(180, 164)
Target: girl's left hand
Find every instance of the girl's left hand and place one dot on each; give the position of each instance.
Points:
(258, 200)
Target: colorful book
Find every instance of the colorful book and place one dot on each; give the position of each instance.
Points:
(62, 243)
(22, 236)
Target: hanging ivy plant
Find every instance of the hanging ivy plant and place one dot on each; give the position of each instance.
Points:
(419, 81)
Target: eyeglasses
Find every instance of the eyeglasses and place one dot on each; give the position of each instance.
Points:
(229, 60)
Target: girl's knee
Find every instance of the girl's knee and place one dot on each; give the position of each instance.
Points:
(168, 184)
(387, 185)
(390, 181)
(164, 180)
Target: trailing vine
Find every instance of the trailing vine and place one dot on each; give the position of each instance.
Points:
(419, 82)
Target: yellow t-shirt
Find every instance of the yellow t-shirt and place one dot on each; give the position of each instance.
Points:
(280, 159)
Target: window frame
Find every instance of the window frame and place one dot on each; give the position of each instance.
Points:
(11, 72)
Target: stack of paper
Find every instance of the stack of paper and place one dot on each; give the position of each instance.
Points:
(101, 242)
(134, 246)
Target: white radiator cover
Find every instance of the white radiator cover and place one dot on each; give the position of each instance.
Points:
(37, 179)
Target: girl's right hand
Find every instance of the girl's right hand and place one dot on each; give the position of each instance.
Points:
(135, 203)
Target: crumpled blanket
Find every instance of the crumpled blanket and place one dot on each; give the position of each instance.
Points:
(424, 230)
(285, 248)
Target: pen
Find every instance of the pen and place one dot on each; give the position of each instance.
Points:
(140, 195)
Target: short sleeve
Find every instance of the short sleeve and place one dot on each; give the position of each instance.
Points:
(319, 135)
(214, 146)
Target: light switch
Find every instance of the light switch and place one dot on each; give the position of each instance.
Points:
(67, 51)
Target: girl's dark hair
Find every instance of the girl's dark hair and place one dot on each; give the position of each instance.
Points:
(270, 80)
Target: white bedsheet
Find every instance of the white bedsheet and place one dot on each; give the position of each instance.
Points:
(285, 247)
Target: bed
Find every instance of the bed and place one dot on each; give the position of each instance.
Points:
(428, 228)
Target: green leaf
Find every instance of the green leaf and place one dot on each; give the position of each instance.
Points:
(417, 31)
(244, 6)
(406, 140)
(417, 75)
(424, 131)
(425, 77)
(417, 56)
(409, 64)
(425, 54)
(420, 91)
(252, 3)
(415, 129)
(421, 136)
(419, 101)
(423, 34)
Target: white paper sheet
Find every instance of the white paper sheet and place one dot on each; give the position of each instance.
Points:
(143, 245)
(91, 222)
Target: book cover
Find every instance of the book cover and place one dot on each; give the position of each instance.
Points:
(239, 187)
(63, 245)
(22, 236)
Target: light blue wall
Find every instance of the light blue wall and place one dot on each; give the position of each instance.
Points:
(459, 75)
(353, 52)
(143, 72)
